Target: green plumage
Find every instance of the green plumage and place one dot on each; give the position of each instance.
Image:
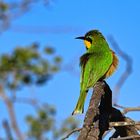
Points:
(94, 65)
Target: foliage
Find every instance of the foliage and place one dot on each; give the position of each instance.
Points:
(27, 65)
(10, 10)
(44, 126)
(30, 65)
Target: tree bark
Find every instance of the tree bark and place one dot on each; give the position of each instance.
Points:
(12, 116)
(100, 113)
(90, 132)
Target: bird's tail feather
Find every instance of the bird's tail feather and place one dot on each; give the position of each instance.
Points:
(80, 104)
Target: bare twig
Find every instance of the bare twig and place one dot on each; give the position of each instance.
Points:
(127, 109)
(111, 124)
(128, 138)
(116, 124)
(32, 102)
(127, 122)
(127, 71)
(7, 130)
(119, 106)
(71, 132)
(11, 112)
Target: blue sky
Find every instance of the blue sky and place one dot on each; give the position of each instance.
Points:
(58, 25)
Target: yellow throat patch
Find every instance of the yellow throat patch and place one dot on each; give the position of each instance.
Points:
(87, 43)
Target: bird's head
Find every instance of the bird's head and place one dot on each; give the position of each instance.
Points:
(90, 38)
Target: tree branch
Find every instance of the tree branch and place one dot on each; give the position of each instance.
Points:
(7, 130)
(111, 124)
(100, 112)
(71, 132)
(33, 102)
(117, 124)
(11, 112)
(126, 110)
(90, 132)
(136, 137)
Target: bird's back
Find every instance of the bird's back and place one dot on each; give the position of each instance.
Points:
(93, 67)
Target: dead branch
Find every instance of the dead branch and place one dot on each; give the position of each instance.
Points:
(33, 102)
(111, 124)
(136, 137)
(90, 132)
(11, 112)
(128, 109)
(7, 130)
(116, 124)
(98, 116)
(134, 128)
(122, 131)
(71, 132)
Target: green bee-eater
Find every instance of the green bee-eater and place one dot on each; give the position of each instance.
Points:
(98, 63)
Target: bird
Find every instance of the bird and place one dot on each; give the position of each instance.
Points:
(97, 63)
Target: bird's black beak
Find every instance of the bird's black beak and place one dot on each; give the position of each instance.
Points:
(80, 37)
(84, 38)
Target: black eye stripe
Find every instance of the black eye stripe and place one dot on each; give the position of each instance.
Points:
(88, 39)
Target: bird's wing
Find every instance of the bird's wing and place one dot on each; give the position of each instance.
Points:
(93, 67)
(84, 70)
(113, 66)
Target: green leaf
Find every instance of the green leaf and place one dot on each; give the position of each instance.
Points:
(49, 50)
